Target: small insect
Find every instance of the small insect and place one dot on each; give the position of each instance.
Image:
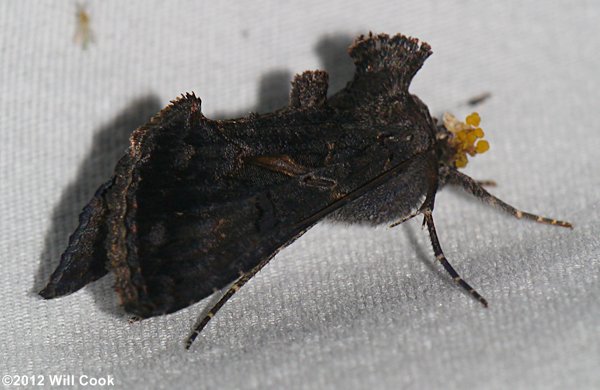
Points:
(196, 205)
(83, 30)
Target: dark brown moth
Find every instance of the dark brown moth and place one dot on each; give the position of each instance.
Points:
(198, 204)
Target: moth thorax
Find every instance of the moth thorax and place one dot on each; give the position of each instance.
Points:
(466, 138)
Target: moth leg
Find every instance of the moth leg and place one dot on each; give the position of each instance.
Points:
(408, 217)
(232, 290)
(472, 186)
(486, 183)
(439, 255)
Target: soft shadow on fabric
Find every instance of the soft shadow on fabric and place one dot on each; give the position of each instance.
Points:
(426, 258)
(273, 94)
(109, 144)
(332, 50)
(274, 87)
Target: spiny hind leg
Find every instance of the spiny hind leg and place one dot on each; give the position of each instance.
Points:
(439, 255)
(468, 184)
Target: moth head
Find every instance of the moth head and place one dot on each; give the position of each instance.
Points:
(463, 138)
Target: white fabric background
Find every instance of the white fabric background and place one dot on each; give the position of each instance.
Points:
(344, 306)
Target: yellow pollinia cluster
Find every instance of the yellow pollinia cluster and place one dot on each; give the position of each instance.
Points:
(467, 137)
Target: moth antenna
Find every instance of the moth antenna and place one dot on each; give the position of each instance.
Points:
(468, 184)
(439, 255)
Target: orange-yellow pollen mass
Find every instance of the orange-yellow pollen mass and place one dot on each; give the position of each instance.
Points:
(471, 138)
(473, 119)
(461, 161)
(482, 146)
(465, 137)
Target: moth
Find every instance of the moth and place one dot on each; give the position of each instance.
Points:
(197, 205)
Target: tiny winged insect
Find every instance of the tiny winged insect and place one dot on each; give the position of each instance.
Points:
(197, 204)
(83, 30)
